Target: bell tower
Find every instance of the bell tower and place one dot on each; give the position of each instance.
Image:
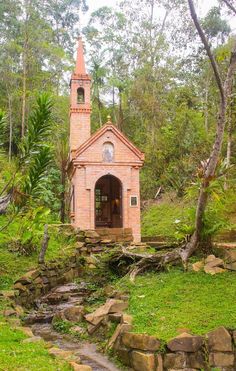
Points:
(79, 102)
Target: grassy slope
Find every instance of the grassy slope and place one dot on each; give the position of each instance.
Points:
(160, 219)
(161, 304)
(15, 355)
(13, 265)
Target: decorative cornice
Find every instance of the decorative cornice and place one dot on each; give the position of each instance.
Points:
(80, 164)
(76, 76)
(80, 110)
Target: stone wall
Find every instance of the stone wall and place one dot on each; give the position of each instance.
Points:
(185, 352)
(39, 281)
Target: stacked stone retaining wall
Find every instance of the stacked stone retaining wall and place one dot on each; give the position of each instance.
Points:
(39, 281)
(215, 350)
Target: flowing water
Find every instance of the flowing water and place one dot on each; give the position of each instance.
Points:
(40, 319)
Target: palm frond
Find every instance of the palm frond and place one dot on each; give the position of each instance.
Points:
(39, 126)
(37, 171)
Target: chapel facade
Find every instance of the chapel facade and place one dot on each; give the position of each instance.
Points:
(104, 167)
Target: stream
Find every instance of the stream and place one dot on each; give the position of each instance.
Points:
(40, 320)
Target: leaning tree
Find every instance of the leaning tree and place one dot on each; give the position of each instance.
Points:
(139, 262)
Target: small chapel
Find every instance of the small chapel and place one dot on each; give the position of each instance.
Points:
(104, 167)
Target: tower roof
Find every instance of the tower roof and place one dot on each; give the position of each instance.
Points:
(80, 65)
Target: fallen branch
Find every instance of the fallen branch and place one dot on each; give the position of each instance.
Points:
(138, 263)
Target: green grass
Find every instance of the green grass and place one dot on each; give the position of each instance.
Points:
(160, 220)
(15, 355)
(13, 265)
(163, 303)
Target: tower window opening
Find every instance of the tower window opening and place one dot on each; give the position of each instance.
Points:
(80, 95)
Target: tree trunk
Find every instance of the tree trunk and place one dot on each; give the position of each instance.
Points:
(25, 62)
(206, 106)
(44, 245)
(10, 126)
(62, 196)
(121, 116)
(230, 5)
(211, 164)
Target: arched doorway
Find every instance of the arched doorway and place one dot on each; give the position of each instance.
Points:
(108, 202)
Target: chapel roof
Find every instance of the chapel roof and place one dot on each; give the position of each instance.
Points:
(109, 126)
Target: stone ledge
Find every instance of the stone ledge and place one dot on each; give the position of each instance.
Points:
(38, 282)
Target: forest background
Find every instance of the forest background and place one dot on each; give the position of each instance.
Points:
(149, 72)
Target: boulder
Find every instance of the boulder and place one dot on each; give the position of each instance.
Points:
(231, 266)
(68, 276)
(111, 306)
(221, 359)
(213, 265)
(209, 259)
(127, 318)
(219, 340)
(61, 353)
(33, 339)
(115, 317)
(74, 314)
(19, 310)
(92, 266)
(77, 367)
(78, 330)
(196, 360)
(234, 337)
(214, 262)
(8, 294)
(117, 306)
(124, 355)
(159, 362)
(9, 312)
(213, 270)
(91, 234)
(19, 286)
(105, 241)
(120, 329)
(230, 256)
(91, 259)
(140, 341)
(198, 266)
(143, 361)
(185, 342)
(26, 330)
(175, 360)
(93, 327)
(92, 240)
(28, 277)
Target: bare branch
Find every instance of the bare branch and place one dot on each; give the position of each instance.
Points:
(208, 50)
(230, 6)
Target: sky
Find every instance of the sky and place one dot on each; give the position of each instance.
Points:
(202, 9)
